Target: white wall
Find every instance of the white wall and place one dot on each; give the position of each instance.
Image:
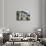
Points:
(1, 14)
(44, 18)
(33, 6)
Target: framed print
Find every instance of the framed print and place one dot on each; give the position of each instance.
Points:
(22, 15)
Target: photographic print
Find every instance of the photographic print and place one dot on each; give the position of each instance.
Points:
(22, 16)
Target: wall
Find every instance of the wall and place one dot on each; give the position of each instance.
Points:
(1, 15)
(33, 6)
(44, 18)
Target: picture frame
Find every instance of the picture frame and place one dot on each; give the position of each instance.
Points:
(22, 15)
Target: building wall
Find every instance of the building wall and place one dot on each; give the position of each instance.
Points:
(34, 7)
